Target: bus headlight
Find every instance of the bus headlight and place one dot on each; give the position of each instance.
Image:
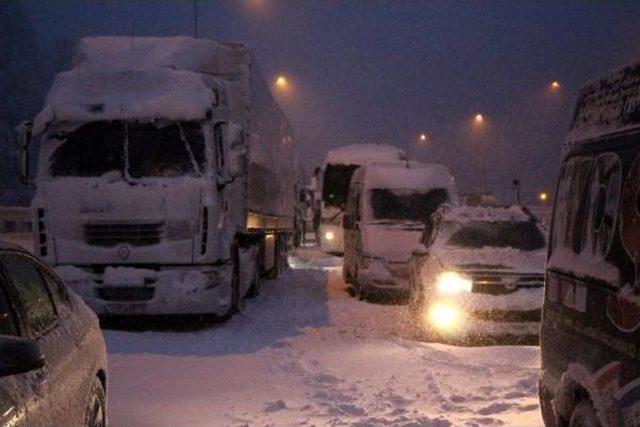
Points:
(329, 235)
(450, 282)
(444, 317)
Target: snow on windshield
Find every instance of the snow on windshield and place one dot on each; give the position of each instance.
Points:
(97, 148)
(521, 235)
(405, 205)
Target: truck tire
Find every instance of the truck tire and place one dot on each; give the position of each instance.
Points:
(96, 414)
(359, 292)
(256, 281)
(584, 415)
(235, 304)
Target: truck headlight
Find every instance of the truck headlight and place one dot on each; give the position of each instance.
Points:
(329, 235)
(444, 317)
(450, 282)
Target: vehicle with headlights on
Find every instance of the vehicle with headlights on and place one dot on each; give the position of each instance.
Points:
(384, 219)
(478, 276)
(53, 361)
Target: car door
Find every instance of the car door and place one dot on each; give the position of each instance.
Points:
(22, 396)
(46, 324)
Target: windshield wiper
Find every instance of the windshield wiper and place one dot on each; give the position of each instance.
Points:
(187, 146)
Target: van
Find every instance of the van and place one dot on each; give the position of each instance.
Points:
(591, 312)
(387, 207)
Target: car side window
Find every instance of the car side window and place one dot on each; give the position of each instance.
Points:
(58, 291)
(8, 324)
(31, 291)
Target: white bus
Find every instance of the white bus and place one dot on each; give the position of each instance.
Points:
(333, 187)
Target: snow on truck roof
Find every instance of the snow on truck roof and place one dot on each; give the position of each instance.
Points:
(359, 154)
(486, 213)
(606, 105)
(407, 175)
(144, 77)
(78, 96)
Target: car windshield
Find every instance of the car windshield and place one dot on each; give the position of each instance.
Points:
(405, 205)
(522, 235)
(336, 184)
(149, 150)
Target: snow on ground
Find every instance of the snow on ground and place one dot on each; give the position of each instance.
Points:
(305, 353)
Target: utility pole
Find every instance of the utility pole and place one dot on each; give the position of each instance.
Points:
(516, 186)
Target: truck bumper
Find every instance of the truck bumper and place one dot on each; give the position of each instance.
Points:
(137, 291)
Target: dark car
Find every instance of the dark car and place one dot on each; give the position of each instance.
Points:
(52, 353)
(590, 332)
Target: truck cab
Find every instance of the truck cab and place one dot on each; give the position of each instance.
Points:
(143, 181)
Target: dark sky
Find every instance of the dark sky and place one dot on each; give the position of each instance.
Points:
(382, 71)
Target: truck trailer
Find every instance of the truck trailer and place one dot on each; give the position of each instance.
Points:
(165, 181)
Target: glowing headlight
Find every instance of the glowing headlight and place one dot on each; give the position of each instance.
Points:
(444, 317)
(451, 282)
(329, 235)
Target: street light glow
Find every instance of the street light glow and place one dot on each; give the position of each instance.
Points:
(423, 138)
(281, 82)
(543, 196)
(478, 119)
(555, 85)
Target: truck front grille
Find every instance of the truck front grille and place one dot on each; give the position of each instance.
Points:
(115, 233)
(125, 293)
(504, 283)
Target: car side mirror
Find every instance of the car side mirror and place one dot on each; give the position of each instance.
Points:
(420, 250)
(23, 131)
(19, 355)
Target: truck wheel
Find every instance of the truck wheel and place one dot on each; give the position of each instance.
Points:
(584, 415)
(96, 415)
(360, 292)
(256, 281)
(236, 301)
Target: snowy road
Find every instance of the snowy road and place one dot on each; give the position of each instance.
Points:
(305, 353)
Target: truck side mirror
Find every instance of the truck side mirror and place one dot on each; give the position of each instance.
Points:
(23, 131)
(420, 250)
(19, 355)
(238, 154)
(347, 223)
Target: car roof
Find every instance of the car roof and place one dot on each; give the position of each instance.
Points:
(4, 246)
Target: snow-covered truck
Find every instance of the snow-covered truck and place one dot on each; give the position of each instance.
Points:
(333, 186)
(165, 180)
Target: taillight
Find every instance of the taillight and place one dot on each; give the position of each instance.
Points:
(205, 230)
(42, 234)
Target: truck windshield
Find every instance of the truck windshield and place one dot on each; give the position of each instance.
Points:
(336, 184)
(521, 235)
(405, 205)
(149, 150)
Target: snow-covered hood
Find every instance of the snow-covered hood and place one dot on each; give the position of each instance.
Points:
(85, 218)
(391, 242)
(488, 258)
